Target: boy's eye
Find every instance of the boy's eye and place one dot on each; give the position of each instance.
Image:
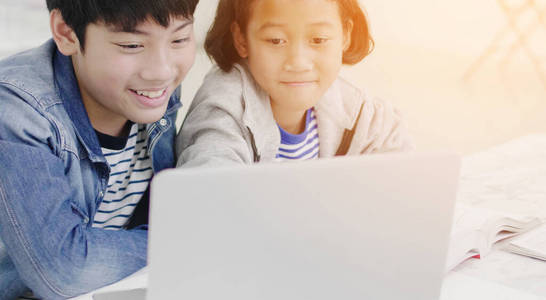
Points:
(130, 47)
(181, 41)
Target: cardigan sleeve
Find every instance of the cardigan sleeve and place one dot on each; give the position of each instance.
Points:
(212, 133)
(381, 129)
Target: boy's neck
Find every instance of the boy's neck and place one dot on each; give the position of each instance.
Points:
(103, 121)
(123, 133)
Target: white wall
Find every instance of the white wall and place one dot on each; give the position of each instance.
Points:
(23, 24)
(423, 49)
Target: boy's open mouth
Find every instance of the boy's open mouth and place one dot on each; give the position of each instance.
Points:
(149, 94)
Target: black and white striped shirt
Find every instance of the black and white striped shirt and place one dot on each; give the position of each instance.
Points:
(130, 175)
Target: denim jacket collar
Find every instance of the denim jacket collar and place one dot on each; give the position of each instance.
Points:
(66, 83)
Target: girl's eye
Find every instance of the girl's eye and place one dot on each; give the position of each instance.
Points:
(276, 41)
(319, 41)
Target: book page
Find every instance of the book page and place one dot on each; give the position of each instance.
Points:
(532, 243)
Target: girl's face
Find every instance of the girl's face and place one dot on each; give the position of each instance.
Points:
(294, 50)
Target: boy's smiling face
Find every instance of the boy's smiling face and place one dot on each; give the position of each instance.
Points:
(131, 75)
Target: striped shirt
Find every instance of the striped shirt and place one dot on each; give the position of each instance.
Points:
(130, 175)
(301, 146)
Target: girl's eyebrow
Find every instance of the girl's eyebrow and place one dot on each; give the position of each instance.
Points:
(323, 23)
(314, 24)
(270, 24)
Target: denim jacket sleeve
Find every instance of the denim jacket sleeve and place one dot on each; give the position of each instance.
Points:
(54, 249)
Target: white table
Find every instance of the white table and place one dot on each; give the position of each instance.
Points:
(510, 177)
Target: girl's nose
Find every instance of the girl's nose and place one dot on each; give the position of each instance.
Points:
(298, 59)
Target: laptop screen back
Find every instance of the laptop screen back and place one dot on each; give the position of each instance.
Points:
(370, 227)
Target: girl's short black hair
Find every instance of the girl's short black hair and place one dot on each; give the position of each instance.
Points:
(122, 14)
(219, 41)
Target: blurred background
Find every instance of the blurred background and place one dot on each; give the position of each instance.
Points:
(466, 74)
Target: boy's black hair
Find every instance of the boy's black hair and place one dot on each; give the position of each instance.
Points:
(122, 14)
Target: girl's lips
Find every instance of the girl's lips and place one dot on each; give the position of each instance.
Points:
(151, 102)
(298, 83)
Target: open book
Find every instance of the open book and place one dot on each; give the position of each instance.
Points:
(475, 231)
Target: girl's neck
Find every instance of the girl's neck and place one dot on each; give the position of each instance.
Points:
(290, 121)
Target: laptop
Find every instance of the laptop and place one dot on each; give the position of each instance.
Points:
(367, 227)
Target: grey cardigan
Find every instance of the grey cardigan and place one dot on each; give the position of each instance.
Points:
(230, 121)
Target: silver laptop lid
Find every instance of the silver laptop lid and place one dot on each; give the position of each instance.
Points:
(369, 227)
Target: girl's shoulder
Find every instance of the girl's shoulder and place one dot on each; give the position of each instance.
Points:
(344, 99)
(350, 92)
(372, 118)
(353, 97)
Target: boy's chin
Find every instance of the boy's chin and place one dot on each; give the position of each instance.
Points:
(148, 118)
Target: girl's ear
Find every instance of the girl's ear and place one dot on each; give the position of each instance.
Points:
(63, 35)
(347, 33)
(239, 40)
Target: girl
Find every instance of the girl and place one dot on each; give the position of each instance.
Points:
(276, 94)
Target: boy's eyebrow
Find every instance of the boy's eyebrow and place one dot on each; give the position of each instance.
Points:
(117, 29)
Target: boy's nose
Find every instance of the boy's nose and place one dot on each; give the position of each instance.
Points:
(158, 67)
(298, 59)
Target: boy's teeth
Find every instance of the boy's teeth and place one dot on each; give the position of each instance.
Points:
(150, 94)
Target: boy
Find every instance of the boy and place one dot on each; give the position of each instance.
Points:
(85, 121)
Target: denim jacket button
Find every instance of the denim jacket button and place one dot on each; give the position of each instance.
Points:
(101, 194)
(163, 122)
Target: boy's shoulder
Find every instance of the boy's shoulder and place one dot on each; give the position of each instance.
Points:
(30, 112)
(30, 74)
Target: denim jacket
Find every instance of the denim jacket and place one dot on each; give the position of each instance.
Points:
(52, 180)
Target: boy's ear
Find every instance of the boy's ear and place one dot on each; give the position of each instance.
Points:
(347, 33)
(63, 35)
(239, 40)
